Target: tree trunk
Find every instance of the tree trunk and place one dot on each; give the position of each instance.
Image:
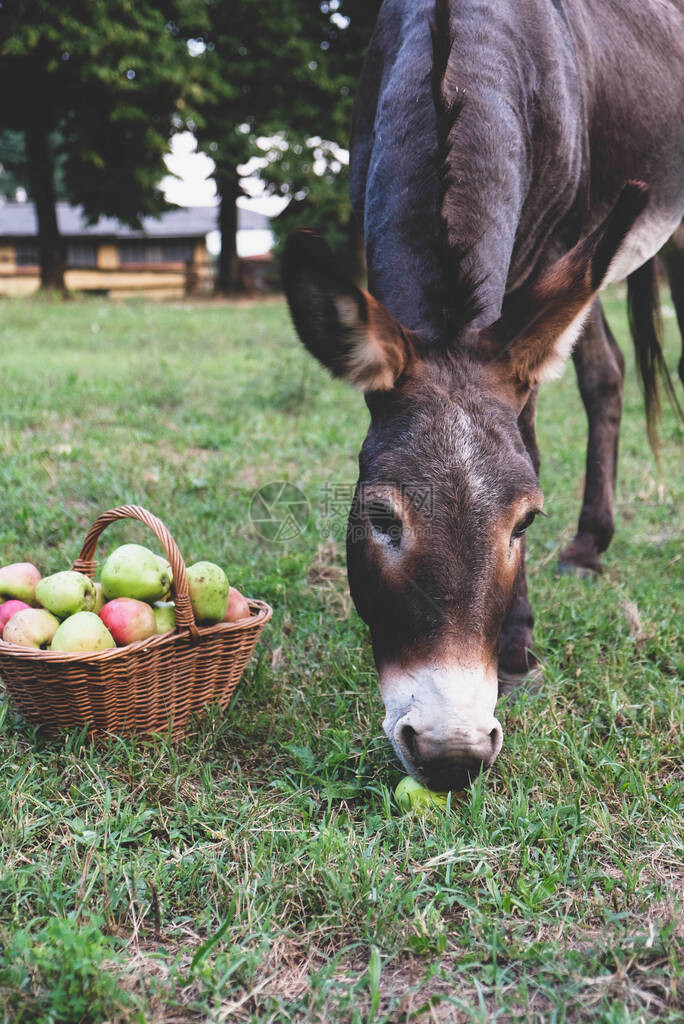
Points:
(41, 170)
(228, 276)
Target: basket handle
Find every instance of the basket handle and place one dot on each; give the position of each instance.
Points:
(86, 562)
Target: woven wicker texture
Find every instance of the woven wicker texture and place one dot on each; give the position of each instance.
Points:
(147, 686)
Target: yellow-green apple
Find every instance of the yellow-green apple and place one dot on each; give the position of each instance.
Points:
(65, 593)
(18, 581)
(99, 599)
(128, 620)
(208, 586)
(165, 565)
(164, 616)
(8, 609)
(32, 627)
(411, 796)
(238, 606)
(134, 571)
(84, 631)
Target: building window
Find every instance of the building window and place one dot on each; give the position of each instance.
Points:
(26, 254)
(176, 252)
(140, 251)
(131, 252)
(81, 254)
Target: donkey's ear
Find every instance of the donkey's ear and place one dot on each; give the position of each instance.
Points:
(344, 327)
(531, 343)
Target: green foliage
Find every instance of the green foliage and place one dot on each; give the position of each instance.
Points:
(259, 870)
(276, 84)
(110, 78)
(61, 974)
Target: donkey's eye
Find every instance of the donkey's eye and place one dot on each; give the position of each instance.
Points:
(525, 523)
(384, 521)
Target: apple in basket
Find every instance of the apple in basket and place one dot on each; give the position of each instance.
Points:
(8, 609)
(134, 571)
(18, 582)
(65, 593)
(164, 616)
(209, 588)
(165, 566)
(238, 606)
(32, 627)
(84, 631)
(129, 620)
(100, 599)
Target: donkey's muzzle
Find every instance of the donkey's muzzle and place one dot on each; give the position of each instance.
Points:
(453, 764)
(440, 720)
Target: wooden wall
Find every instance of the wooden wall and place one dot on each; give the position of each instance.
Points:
(150, 280)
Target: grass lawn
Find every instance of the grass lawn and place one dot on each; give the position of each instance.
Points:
(259, 871)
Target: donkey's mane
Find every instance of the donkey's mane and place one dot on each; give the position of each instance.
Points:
(459, 290)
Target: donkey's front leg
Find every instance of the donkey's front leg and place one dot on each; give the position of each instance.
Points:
(516, 660)
(600, 369)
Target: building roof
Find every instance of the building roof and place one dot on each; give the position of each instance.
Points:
(18, 220)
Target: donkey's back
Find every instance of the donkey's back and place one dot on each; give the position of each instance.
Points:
(552, 107)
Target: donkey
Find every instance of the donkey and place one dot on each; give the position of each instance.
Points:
(499, 152)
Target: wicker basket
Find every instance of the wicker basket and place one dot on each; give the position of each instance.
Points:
(149, 686)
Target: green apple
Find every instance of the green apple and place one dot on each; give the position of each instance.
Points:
(134, 571)
(65, 593)
(209, 589)
(18, 582)
(99, 599)
(84, 631)
(33, 627)
(411, 796)
(165, 565)
(164, 616)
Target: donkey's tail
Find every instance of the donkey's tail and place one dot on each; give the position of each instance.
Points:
(643, 303)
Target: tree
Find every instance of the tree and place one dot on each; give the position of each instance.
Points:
(282, 72)
(97, 90)
(254, 62)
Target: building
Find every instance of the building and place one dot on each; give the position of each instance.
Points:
(166, 259)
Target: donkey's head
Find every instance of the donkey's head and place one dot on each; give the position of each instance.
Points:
(446, 488)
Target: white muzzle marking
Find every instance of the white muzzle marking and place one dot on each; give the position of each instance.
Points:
(449, 709)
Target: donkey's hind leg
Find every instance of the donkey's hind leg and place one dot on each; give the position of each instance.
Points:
(673, 258)
(600, 368)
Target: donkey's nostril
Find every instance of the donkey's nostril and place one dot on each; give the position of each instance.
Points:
(496, 737)
(408, 737)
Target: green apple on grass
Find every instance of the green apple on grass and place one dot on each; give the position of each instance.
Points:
(411, 796)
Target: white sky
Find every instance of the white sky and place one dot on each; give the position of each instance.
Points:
(193, 186)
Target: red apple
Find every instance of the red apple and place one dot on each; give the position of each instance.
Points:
(8, 609)
(31, 627)
(18, 581)
(238, 606)
(128, 620)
